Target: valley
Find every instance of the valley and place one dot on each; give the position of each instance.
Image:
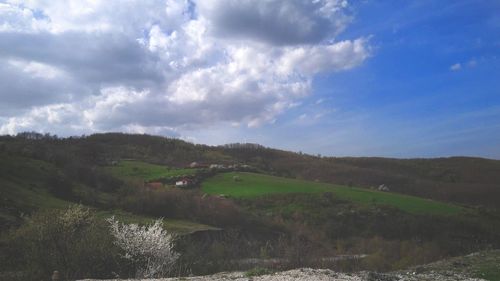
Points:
(243, 202)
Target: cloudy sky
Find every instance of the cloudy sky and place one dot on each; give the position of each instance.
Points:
(361, 78)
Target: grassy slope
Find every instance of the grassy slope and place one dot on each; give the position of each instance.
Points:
(180, 227)
(253, 185)
(22, 191)
(140, 170)
(21, 185)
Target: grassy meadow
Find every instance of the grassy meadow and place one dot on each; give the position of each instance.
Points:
(179, 227)
(251, 185)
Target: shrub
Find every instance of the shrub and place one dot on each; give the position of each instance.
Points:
(150, 248)
(72, 241)
(184, 204)
(60, 186)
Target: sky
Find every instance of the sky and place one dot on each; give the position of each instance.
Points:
(415, 78)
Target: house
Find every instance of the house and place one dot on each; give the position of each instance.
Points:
(197, 165)
(183, 182)
(216, 166)
(383, 187)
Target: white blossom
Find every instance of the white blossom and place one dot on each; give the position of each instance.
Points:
(149, 247)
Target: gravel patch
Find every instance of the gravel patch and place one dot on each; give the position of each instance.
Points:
(323, 275)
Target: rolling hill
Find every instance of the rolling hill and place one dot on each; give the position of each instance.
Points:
(465, 180)
(285, 205)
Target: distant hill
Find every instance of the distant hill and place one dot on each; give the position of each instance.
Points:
(467, 180)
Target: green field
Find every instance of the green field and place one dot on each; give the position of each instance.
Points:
(180, 227)
(146, 171)
(252, 185)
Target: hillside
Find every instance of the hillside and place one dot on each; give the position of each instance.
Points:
(472, 181)
(258, 204)
(28, 185)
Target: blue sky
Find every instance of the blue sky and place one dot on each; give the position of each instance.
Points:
(415, 104)
(406, 101)
(331, 77)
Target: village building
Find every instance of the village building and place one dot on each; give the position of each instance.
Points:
(217, 166)
(197, 165)
(183, 182)
(383, 187)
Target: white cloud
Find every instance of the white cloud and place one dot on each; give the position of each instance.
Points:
(16, 17)
(311, 60)
(157, 66)
(456, 67)
(275, 21)
(131, 17)
(50, 118)
(36, 69)
(459, 66)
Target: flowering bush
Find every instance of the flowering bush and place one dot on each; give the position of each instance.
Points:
(149, 248)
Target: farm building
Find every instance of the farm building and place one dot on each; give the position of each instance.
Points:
(183, 182)
(383, 187)
(197, 165)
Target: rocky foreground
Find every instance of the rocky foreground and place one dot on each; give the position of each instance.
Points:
(326, 274)
(466, 268)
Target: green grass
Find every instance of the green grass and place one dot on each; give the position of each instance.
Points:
(22, 185)
(254, 185)
(485, 265)
(490, 272)
(180, 227)
(29, 198)
(146, 171)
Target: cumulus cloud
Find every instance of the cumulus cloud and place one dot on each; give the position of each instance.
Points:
(160, 66)
(26, 84)
(275, 21)
(310, 60)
